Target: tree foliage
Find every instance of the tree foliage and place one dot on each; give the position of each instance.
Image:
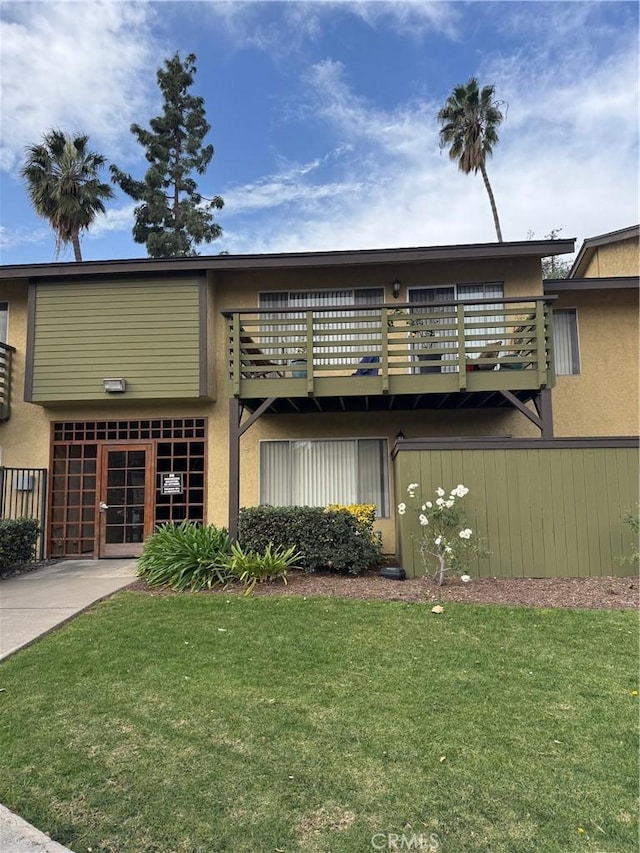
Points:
(552, 266)
(172, 218)
(470, 119)
(62, 180)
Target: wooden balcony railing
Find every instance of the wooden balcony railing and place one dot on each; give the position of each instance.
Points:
(6, 355)
(471, 345)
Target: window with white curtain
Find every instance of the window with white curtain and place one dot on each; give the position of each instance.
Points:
(4, 312)
(565, 341)
(317, 472)
(431, 296)
(293, 301)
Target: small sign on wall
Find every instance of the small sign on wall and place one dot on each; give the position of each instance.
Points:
(171, 484)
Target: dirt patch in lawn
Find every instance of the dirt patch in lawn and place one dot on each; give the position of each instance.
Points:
(593, 593)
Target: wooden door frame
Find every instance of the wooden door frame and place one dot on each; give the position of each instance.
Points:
(101, 490)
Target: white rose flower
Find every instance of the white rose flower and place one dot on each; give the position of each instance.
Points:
(423, 520)
(402, 508)
(438, 540)
(440, 502)
(449, 504)
(465, 578)
(466, 533)
(440, 492)
(412, 487)
(448, 549)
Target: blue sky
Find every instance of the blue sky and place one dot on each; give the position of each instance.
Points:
(323, 116)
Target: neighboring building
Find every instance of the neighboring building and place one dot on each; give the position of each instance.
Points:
(596, 338)
(157, 390)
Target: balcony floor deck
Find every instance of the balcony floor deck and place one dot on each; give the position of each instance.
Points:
(387, 402)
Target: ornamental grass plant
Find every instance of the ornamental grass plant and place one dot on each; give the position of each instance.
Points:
(186, 556)
(193, 557)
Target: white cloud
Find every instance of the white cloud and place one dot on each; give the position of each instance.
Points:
(567, 159)
(286, 27)
(414, 18)
(78, 66)
(9, 239)
(114, 219)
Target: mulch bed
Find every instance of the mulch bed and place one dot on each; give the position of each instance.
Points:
(592, 593)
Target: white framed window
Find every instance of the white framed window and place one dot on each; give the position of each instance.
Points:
(4, 315)
(317, 472)
(565, 341)
(292, 303)
(432, 295)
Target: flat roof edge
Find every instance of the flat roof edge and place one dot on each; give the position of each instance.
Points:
(465, 251)
(551, 285)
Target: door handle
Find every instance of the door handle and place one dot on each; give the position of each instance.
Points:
(103, 506)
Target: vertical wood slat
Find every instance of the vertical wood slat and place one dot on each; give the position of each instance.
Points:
(544, 512)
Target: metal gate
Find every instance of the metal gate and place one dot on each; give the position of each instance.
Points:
(23, 494)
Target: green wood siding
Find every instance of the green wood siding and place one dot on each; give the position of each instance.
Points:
(145, 331)
(544, 512)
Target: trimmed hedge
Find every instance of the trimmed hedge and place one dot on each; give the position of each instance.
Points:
(324, 539)
(18, 538)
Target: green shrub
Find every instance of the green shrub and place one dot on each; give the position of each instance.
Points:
(324, 539)
(186, 556)
(18, 537)
(249, 567)
(365, 515)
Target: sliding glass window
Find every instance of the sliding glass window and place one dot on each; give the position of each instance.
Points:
(318, 472)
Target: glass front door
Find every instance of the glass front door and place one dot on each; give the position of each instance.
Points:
(125, 506)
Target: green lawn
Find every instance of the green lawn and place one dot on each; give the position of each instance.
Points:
(216, 723)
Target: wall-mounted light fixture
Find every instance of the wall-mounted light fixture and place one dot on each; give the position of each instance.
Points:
(396, 287)
(114, 386)
(399, 435)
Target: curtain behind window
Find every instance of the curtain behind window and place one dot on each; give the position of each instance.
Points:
(294, 301)
(320, 472)
(4, 311)
(565, 341)
(479, 290)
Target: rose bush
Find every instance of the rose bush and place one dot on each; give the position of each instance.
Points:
(446, 543)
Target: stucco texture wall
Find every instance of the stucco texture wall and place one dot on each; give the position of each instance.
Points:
(614, 259)
(603, 398)
(25, 438)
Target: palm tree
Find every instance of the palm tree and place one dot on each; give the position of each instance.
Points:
(469, 119)
(64, 187)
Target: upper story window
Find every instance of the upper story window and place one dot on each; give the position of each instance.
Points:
(491, 312)
(565, 341)
(293, 305)
(4, 314)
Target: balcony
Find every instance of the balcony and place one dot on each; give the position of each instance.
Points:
(6, 356)
(448, 355)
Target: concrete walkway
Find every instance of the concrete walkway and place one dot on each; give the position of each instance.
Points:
(34, 604)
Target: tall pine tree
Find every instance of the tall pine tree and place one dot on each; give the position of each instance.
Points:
(173, 219)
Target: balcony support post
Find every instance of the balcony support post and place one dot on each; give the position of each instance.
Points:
(542, 402)
(236, 430)
(461, 343)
